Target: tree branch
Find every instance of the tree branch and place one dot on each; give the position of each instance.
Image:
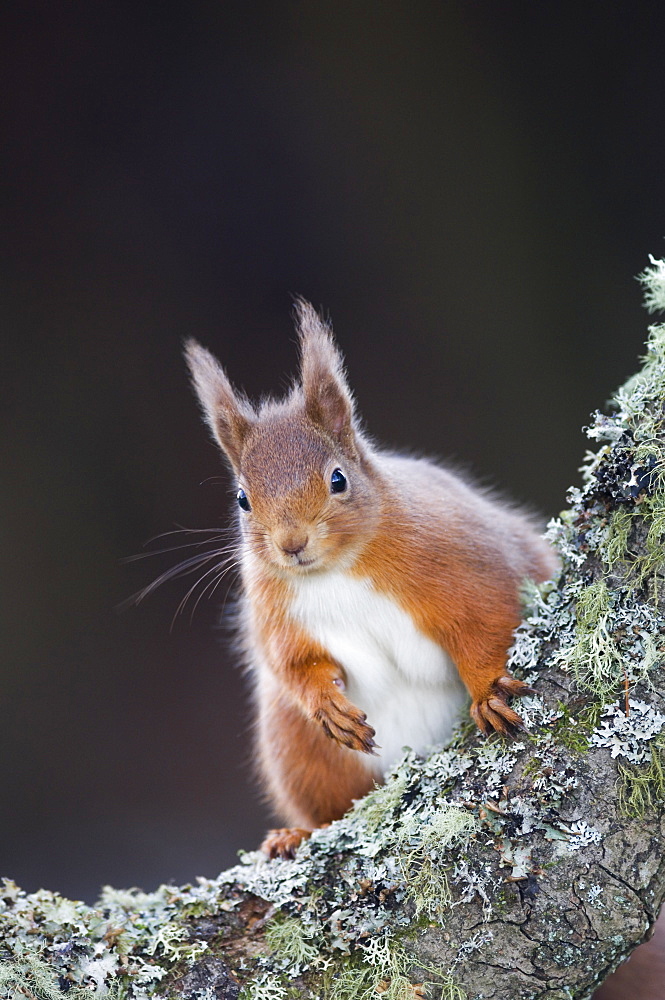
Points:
(491, 868)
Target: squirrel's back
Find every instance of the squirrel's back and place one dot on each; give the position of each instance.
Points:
(443, 506)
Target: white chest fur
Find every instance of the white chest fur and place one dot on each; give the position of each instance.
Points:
(403, 680)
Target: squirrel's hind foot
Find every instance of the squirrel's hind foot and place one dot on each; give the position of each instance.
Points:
(283, 843)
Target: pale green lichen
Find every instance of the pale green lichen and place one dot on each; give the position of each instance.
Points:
(642, 789)
(649, 566)
(380, 804)
(382, 967)
(616, 541)
(595, 658)
(422, 841)
(293, 942)
(34, 979)
(425, 865)
(125, 944)
(616, 640)
(451, 989)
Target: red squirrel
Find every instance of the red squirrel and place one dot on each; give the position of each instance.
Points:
(376, 588)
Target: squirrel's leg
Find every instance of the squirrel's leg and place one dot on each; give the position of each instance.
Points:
(309, 778)
(481, 661)
(316, 683)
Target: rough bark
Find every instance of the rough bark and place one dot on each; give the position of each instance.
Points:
(494, 869)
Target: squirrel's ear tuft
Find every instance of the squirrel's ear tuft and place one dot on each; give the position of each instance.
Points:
(228, 415)
(328, 400)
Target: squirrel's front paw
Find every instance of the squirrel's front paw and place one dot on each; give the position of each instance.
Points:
(492, 712)
(346, 724)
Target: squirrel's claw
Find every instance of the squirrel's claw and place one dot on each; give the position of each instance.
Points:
(347, 725)
(493, 714)
(511, 686)
(283, 843)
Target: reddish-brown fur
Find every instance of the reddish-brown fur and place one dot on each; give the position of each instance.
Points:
(453, 560)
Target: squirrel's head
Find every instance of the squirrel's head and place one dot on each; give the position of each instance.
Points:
(304, 479)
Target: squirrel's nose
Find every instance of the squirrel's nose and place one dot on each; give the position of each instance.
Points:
(294, 548)
(292, 542)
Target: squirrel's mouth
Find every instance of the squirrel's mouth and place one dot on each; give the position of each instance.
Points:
(304, 562)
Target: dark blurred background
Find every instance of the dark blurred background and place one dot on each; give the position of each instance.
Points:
(468, 188)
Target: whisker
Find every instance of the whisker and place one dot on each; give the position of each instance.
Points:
(180, 529)
(211, 586)
(225, 568)
(183, 568)
(172, 548)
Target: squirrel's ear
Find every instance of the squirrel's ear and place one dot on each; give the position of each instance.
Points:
(228, 415)
(328, 401)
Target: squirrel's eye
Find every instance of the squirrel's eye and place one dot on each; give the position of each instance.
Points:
(337, 481)
(243, 502)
